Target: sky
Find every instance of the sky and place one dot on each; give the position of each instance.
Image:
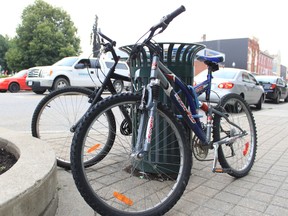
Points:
(126, 21)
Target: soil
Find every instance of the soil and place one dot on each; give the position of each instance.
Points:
(7, 160)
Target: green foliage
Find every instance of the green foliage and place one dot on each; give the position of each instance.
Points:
(14, 56)
(45, 35)
(4, 46)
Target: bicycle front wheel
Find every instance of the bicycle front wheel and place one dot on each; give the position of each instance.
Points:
(54, 116)
(121, 183)
(237, 156)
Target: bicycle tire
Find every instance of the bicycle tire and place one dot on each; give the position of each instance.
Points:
(238, 156)
(119, 185)
(54, 116)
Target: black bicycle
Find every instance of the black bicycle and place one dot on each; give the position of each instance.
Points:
(58, 113)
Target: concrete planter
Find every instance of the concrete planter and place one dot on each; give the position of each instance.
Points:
(29, 187)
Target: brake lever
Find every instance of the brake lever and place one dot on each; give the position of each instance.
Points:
(162, 24)
(163, 28)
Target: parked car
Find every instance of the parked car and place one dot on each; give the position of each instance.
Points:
(233, 80)
(75, 71)
(275, 88)
(14, 83)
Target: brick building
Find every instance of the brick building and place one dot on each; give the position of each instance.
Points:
(265, 64)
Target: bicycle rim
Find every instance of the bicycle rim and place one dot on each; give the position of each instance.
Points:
(238, 155)
(55, 115)
(120, 184)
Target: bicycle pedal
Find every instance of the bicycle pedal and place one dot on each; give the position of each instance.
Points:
(222, 170)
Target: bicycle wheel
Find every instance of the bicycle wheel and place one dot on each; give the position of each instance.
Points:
(239, 155)
(121, 184)
(55, 114)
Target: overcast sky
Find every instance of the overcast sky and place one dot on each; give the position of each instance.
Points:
(126, 21)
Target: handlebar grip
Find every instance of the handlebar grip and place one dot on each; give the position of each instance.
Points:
(175, 13)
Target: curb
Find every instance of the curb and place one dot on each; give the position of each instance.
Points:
(30, 186)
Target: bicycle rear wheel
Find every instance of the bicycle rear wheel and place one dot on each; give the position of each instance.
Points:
(121, 184)
(54, 116)
(238, 156)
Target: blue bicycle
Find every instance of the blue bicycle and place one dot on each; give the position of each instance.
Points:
(149, 165)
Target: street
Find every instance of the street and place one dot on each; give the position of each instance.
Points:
(17, 109)
(263, 192)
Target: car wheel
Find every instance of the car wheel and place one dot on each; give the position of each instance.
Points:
(259, 104)
(14, 87)
(3, 91)
(277, 99)
(60, 83)
(286, 99)
(118, 85)
(238, 108)
(39, 92)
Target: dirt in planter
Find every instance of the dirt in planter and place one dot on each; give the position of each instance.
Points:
(7, 160)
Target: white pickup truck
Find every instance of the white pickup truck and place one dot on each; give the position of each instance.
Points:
(75, 71)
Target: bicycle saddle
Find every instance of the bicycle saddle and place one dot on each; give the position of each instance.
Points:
(214, 59)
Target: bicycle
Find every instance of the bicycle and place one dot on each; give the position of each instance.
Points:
(57, 115)
(146, 172)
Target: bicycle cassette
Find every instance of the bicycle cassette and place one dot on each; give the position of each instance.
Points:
(199, 152)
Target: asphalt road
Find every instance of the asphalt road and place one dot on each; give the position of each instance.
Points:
(17, 109)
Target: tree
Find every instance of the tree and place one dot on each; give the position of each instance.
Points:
(13, 57)
(4, 46)
(96, 39)
(45, 35)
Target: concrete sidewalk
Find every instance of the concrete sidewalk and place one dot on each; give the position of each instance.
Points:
(263, 192)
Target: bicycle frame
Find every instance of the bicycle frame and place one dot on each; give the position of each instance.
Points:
(161, 76)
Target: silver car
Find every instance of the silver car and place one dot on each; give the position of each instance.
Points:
(233, 80)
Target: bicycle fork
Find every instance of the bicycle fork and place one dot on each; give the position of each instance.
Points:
(146, 122)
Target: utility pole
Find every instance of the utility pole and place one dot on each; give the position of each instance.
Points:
(96, 39)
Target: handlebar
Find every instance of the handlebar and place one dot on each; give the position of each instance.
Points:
(109, 46)
(175, 13)
(163, 25)
(166, 20)
(113, 43)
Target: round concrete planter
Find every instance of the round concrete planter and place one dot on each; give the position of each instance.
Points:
(29, 187)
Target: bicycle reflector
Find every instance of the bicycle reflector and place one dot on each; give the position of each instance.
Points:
(226, 85)
(93, 148)
(245, 150)
(123, 198)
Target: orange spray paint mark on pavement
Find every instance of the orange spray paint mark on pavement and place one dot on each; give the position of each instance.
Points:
(123, 198)
(93, 148)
